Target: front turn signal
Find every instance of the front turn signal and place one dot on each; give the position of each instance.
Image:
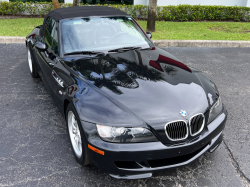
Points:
(96, 150)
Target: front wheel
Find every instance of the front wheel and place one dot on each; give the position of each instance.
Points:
(32, 68)
(76, 136)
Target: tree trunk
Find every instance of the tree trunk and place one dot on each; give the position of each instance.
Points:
(76, 2)
(56, 4)
(151, 15)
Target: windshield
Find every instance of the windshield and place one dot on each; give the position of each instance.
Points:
(101, 34)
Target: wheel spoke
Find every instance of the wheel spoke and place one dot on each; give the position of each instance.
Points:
(74, 121)
(75, 138)
(30, 61)
(75, 126)
(79, 140)
(75, 134)
(74, 129)
(78, 131)
(79, 144)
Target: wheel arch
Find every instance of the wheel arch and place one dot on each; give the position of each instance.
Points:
(65, 105)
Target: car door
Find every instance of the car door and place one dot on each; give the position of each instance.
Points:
(62, 81)
(47, 59)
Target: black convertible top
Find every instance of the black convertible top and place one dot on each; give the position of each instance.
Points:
(84, 11)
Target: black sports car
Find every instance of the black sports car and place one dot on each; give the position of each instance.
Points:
(131, 108)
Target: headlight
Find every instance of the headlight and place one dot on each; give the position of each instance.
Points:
(215, 110)
(125, 135)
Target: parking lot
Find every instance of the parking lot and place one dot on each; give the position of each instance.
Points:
(35, 147)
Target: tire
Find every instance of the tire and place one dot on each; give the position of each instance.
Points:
(32, 67)
(75, 129)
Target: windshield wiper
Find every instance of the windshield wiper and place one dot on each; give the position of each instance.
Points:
(124, 49)
(84, 52)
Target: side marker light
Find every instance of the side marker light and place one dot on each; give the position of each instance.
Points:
(96, 150)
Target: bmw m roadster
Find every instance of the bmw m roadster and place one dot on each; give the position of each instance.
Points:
(131, 108)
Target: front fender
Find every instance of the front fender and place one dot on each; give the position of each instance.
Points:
(209, 87)
(32, 36)
(94, 106)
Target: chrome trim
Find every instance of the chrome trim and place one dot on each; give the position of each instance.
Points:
(137, 176)
(30, 40)
(178, 144)
(182, 163)
(174, 122)
(141, 165)
(202, 127)
(57, 78)
(212, 150)
(134, 168)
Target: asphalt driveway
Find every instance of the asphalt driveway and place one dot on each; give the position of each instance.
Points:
(35, 148)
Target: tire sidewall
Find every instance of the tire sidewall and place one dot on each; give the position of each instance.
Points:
(34, 72)
(82, 159)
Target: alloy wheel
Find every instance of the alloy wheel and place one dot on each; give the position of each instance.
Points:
(74, 133)
(30, 61)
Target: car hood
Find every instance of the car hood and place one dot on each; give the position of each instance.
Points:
(140, 87)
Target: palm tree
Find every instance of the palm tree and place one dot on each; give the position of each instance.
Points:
(152, 7)
(56, 4)
(76, 2)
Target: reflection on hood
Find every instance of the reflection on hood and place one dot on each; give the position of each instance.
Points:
(125, 69)
(152, 84)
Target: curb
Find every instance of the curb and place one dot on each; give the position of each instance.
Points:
(7, 39)
(164, 43)
(201, 43)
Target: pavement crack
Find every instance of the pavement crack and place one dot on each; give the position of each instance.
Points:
(236, 164)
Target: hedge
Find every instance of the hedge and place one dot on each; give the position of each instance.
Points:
(164, 13)
(82, 1)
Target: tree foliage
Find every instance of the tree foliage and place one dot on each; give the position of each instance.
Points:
(164, 13)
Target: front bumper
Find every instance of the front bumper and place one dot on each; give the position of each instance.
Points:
(139, 160)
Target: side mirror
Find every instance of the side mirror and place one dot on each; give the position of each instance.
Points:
(149, 34)
(41, 46)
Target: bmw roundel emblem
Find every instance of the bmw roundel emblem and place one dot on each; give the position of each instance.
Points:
(183, 113)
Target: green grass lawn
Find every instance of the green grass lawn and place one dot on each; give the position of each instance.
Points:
(200, 30)
(18, 27)
(164, 30)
